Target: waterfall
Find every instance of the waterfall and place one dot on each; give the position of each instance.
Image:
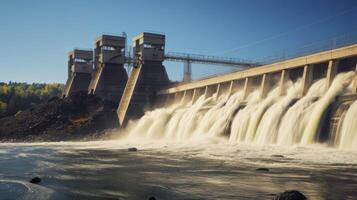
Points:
(276, 119)
(209, 118)
(294, 121)
(225, 115)
(241, 120)
(180, 127)
(349, 129)
(338, 85)
(267, 131)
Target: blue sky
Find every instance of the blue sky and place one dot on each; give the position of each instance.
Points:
(35, 36)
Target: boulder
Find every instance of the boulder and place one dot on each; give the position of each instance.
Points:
(290, 195)
(263, 169)
(132, 149)
(35, 180)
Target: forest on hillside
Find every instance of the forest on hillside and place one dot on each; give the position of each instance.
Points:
(15, 96)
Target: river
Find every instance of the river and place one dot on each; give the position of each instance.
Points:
(174, 170)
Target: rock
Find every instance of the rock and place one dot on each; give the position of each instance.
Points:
(35, 180)
(77, 117)
(290, 195)
(132, 149)
(262, 169)
(152, 198)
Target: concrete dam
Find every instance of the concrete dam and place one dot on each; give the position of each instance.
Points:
(304, 100)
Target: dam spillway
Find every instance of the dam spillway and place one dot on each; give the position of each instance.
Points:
(267, 104)
(301, 101)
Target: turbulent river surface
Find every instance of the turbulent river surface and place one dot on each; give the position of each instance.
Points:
(218, 147)
(174, 170)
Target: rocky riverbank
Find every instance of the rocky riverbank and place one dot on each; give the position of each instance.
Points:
(78, 117)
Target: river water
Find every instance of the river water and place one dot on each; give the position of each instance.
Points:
(174, 170)
(208, 149)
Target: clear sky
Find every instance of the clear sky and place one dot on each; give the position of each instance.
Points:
(35, 36)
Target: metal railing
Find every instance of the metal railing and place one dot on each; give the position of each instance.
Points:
(316, 47)
(203, 59)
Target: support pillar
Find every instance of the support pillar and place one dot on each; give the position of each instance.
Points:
(230, 90)
(218, 91)
(354, 87)
(306, 80)
(194, 95)
(183, 96)
(246, 89)
(109, 77)
(331, 72)
(206, 92)
(284, 78)
(265, 86)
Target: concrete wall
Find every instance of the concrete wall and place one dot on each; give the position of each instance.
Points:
(301, 62)
(108, 82)
(308, 68)
(140, 91)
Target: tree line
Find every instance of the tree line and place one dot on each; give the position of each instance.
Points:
(16, 96)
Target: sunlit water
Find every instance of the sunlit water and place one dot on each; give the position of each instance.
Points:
(170, 170)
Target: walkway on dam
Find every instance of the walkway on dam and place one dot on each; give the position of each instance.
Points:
(326, 56)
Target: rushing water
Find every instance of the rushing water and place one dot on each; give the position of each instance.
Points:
(283, 120)
(207, 149)
(174, 171)
(349, 127)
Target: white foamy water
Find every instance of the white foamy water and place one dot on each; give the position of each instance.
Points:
(339, 84)
(275, 119)
(293, 123)
(267, 132)
(349, 129)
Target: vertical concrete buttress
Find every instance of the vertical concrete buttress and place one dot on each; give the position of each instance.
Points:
(183, 96)
(109, 77)
(206, 92)
(230, 90)
(79, 71)
(194, 95)
(147, 77)
(331, 72)
(246, 88)
(218, 91)
(306, 80)
(284, 78)
(265, 85)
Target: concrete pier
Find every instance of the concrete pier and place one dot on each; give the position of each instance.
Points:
(284, 78)
(109, 77)
(332, 69)
(265, 85)
(79, 71)
(147, 77)
(306, 79)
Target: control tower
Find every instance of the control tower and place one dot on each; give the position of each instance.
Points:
(79, 71)
(147, 77)
(109, 76)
